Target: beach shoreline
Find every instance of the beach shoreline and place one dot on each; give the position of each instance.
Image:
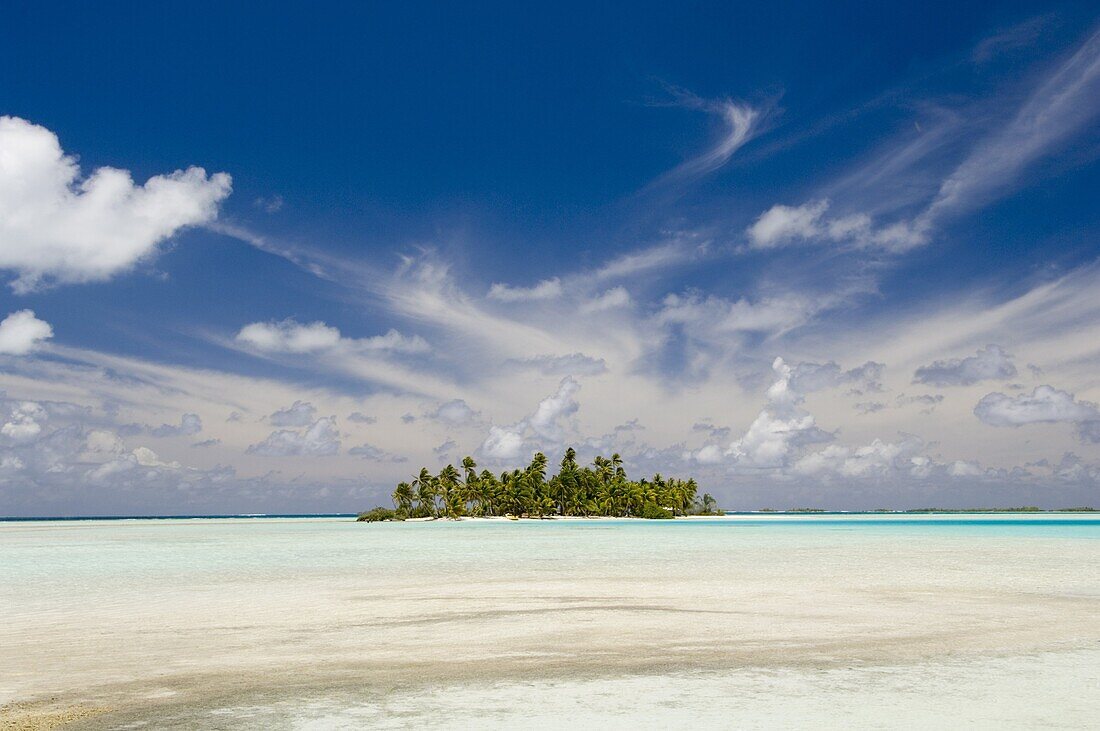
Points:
(258, 622)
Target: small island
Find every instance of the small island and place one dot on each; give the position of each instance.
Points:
(600, 490)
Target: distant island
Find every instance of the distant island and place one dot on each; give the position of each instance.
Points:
(602, 489)
(921, 511)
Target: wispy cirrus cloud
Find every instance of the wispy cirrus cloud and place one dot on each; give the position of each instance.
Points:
(1063, 103)
(544, 290)
(740, 123)
(1060, 105)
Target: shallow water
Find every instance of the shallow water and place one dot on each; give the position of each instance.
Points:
(765, 621)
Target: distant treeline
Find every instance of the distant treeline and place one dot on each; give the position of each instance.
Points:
(602, 489)
(1022, 509)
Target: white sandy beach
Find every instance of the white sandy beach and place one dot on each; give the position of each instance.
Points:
(331, 624)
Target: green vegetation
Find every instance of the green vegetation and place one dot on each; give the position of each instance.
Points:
(602, 489)
(377, 515)
(1022, 509)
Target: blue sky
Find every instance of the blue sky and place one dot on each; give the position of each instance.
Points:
(814, 254)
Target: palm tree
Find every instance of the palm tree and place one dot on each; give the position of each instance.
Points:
(448, 482)
(403, 497)
(603, 489)
(470, 489)
(425, 491)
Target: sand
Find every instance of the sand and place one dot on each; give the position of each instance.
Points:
(268, 624)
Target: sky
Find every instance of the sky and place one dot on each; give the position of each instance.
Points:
(812, 254)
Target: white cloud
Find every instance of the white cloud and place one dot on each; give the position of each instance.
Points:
(548, 414)
(877, 459)
(1065, 102)
(359, 417)
(783, 225)
(24, 422)
(613, 298)
(320, 439)
(808, 377)
(574, 364)
(771, 438)
(636, 262)
(454, 413)
(290, 336)
(1044, 405)
(56, 225)
(989, 363)
(544, 290)
(779, 430)
(375, 454)
(21, 332)
(741, 123)
(392, 342)
(190, 424)
(714, 317)
(503, 443)
(300, 413)
(542, 429)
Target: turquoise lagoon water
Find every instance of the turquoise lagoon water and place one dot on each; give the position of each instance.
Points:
(753, 620)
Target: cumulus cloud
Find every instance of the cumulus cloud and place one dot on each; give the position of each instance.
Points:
(780, 430)
(989, 363)
(290, 336)
(503, 443)
(21, 332)
(320, 439)
(359, 417)
(375, 454)
(613, 298)
(190, 424)
(544, 290)
(877, 459)
(783, 225)
(50, 455)
(928, 400)
(546, 421)
(454, 413)
(1044, 405)
(56, 225)
(712, 431)
(574, 364)
(24, 422)
(807, 377)
(442, 450)
(544, 428)
(300, 413)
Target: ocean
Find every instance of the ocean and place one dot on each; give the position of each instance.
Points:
(749, 621)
